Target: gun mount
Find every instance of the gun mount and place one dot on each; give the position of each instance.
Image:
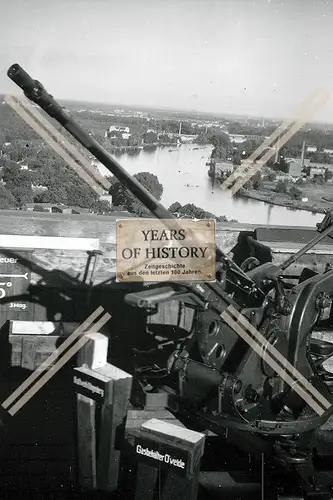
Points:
(210, 372)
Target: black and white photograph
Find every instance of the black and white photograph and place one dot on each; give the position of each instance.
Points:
(166, 250)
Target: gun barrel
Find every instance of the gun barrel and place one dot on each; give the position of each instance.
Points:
(35, 91)
(21, 78)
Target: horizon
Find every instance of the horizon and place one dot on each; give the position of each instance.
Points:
(232, 116)
(247, 58)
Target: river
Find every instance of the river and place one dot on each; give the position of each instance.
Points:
(183, 173)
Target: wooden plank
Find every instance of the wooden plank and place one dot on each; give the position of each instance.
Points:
(29, 348)
(15, 354)
(18, 327)
(86, 418)
(42, 328)
(293, 247)
(112, 428)
(29, 352)
(27, 344)
(136, 418)
(94, 353)
(86, 433)
(168, 458)
(24, 242)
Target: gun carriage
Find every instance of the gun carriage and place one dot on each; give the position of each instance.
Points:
(213, 377)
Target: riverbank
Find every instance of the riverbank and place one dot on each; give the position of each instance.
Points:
(145, 147)
(316, 202)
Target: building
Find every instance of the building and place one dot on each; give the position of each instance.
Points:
(329, 166)
(283, 177)
(237, 138)
(188, 138)
(314, 171)
(240, 138)
(107, 198)
(296, 166)
(122, 130)
(295, 169)
(126, 135)
(54, 208)
(48, 207)
(311, 149)
(223, 168)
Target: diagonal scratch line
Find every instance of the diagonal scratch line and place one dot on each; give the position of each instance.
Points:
(258, 348)
(304, 117)
(63, 141)
(274, 136)
(52, 358)
(62, 361)
(53, 144)
(288, 366)
(273, 364)
(285, 138)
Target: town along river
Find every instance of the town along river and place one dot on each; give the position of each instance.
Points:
(183, 173)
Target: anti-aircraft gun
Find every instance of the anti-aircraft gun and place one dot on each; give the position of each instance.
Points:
(249, 369)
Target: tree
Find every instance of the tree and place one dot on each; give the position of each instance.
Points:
(122, 197)
(18, 183)
(134, 140)
(271, 176)
(101, 207)
(295, 193)
(202, 138)
(249, 146)
(191, 211)
(150, 137)
(175, 207)
(219, 153)
(281, 187)
(281, 166)
(23, 194)
(10, 171)
(54, 195)
(257, 181)
(328, 174)
(218, 140)
(7, 200)
(319, 179)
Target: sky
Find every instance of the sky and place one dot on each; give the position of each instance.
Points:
(259, 58)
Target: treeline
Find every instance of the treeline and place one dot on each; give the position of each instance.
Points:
(41, 176)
